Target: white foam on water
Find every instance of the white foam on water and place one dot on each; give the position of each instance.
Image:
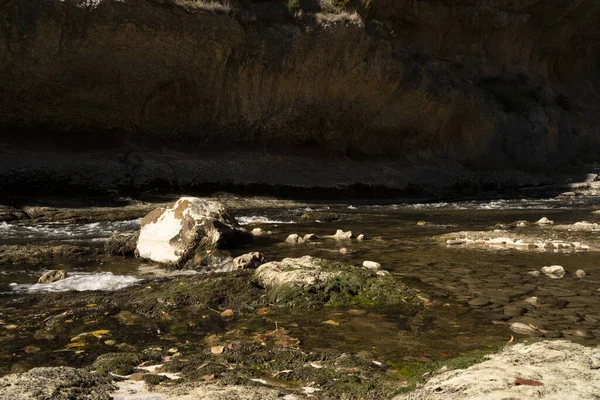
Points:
(80, 282)
(501, 204)
(259, 219)
(65, 231)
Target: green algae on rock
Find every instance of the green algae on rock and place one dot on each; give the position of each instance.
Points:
(310, 282)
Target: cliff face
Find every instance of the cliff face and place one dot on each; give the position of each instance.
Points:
(491, 84)
(554, 40)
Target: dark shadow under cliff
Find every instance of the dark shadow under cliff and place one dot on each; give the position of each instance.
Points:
(140, 95)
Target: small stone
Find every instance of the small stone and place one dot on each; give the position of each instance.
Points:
(217, 349)
(479, 302)
(544, 221)
(257, 232)
(372, 265)
(580, 273)
(360, 237)
(249, 261)
(421, 223)
(310, 237)
(227, 313)
(29, 349)
(534, 273)
(532, 300)
(340, 234)
(382, 272)
(554, 271)
(53, 276)
(294, 238)
(523, 329)
(343, 250)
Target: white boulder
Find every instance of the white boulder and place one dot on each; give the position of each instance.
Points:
(171, 235)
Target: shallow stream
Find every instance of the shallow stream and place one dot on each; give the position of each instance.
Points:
(451, 276)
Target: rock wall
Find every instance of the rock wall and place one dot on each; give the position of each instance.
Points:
(495, 84)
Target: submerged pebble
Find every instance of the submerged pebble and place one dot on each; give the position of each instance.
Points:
(532, 300)
(372, 265)
(479, 302)
(523, 329)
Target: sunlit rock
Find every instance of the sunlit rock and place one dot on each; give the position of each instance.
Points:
(172, 235)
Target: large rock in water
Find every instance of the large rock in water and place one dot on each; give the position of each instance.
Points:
(313, 282)
(171, 235)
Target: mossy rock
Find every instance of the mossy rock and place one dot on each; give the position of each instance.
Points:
(314, 282)
(117, 363)
(233, 291)
(152, 379)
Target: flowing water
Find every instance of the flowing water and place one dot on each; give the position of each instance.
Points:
(451, 276)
